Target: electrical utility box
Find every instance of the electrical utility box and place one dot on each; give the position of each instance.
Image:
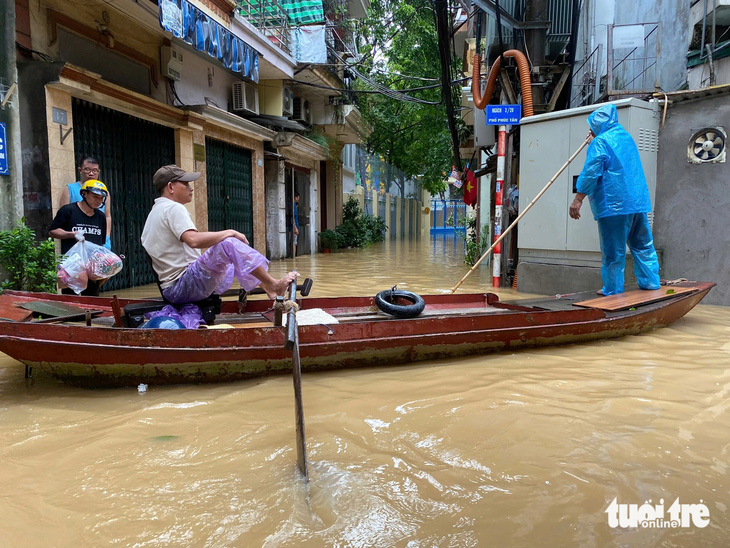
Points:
(558, 254)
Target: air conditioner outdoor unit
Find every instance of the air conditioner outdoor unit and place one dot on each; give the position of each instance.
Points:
(287, 101)
(245, 98)
(301, 111)
(171, 62)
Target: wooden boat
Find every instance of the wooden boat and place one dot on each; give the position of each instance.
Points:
(358, 334)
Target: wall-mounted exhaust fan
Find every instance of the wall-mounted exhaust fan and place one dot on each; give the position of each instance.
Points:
(707, 146)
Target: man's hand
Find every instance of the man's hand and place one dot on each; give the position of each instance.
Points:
(575, 208)
(239, 236)
(296, 231)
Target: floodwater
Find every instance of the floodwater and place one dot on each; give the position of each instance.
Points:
(517, 449)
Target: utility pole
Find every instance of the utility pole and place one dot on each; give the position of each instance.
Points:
(11, 165)
(442, 31)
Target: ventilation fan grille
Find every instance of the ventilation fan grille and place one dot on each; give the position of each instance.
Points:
(707, 146)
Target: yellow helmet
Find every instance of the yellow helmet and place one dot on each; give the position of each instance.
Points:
(97, 187)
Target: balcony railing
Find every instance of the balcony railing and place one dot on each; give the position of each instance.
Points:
(269, 18)
(585, 91)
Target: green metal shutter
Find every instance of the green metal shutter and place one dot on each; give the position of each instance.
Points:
(129, 150)
(230, 187)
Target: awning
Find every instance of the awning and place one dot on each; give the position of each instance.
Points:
(278, 122)
(200, 31)
(303, 12)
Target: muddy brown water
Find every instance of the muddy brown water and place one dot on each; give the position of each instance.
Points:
(515, 449)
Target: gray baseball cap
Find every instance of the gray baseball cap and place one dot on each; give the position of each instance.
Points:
(167, 174)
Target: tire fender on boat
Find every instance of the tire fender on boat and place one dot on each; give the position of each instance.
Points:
(390, 302)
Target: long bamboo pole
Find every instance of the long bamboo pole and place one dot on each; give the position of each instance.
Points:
(524, 211)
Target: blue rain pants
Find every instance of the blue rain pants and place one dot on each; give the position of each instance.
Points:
(615, 232)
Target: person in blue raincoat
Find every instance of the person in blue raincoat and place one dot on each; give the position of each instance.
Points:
(613, 180)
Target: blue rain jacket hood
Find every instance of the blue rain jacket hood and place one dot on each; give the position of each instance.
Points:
(612, 176)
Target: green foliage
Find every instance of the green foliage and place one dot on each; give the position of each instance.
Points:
(30, 266)
(460, 221)
(475, 247)
(331, 239)
(357, 229)
(399, 38)
(351, 210)
(351, 234)
(329, 143)
(374, 228)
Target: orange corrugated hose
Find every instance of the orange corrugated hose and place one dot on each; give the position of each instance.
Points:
(524, 68)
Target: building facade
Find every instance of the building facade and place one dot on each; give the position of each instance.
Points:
(211, 85)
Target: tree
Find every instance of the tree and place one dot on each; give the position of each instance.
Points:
(400, 51)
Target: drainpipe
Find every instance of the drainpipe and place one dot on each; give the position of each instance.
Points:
(704, 27)
(11, 184)
(481, 101)
(712, 67)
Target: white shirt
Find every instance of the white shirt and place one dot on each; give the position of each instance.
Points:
(165, 224)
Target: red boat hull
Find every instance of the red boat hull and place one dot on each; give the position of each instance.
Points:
(109, 356)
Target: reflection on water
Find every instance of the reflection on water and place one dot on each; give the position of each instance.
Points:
(522, 449)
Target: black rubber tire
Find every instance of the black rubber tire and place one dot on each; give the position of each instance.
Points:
(387, 301)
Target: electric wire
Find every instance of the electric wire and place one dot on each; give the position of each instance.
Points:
(398, 95)
(28, 51)
(174, 92)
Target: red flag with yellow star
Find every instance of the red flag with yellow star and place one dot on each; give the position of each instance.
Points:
(471, 189)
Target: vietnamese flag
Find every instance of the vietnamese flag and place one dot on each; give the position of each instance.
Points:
(471, 189)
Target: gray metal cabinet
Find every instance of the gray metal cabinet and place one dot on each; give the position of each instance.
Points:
(546, 142)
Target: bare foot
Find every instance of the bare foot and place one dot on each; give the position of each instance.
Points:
(599, 292)
(280, 286)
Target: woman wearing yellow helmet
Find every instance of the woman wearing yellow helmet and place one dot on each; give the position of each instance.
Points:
(82, 217)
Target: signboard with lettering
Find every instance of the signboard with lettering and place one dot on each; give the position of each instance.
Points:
(3, 151)
(503, 115)
(628, 36)
(198, 152)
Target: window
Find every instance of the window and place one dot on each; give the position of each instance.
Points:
(348, 157)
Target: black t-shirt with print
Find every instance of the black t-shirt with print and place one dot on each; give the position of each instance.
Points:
(71, 218)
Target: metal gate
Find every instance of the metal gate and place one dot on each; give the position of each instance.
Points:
(448, 216)
(230, 201)
(129, 150)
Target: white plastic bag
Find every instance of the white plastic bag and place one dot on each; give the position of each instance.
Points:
(87, 261)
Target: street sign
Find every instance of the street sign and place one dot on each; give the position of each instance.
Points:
(3, 151)
(503, 115)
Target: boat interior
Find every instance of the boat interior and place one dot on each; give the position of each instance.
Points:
(238, 310)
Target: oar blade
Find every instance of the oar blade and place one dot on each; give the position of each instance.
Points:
(293, 343)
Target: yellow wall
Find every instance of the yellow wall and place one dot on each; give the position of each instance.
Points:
(271, 97)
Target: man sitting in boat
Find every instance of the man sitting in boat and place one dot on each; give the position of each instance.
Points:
(86, 218)
(613, 179)
(173, 243)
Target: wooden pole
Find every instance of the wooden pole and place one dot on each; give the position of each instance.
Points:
(524, 211)
(293, 343)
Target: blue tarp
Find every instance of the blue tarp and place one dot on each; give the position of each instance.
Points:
(200, 31)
